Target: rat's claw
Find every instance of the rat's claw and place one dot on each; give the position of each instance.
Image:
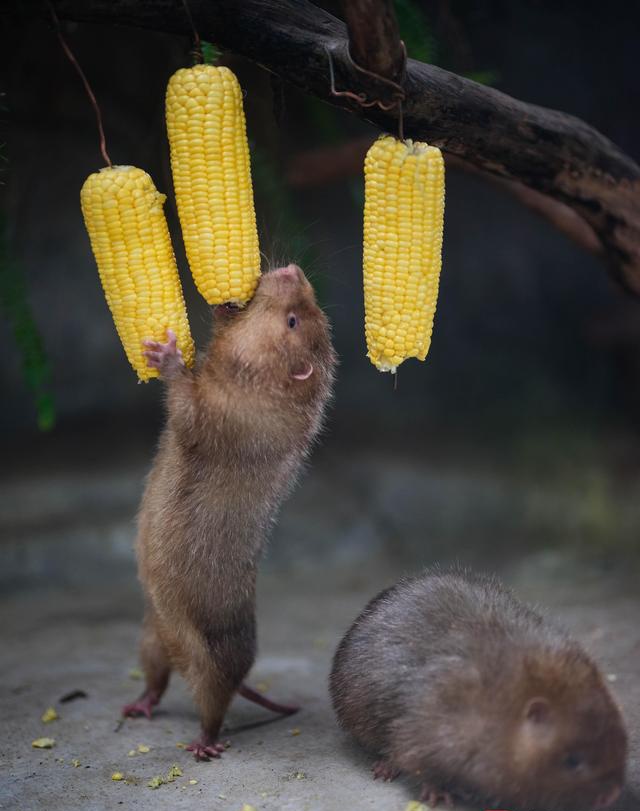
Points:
(205, 751)
(435, 796)
(384, 770)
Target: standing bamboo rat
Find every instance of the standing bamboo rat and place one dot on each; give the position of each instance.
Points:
(448, 678)
(238, 430)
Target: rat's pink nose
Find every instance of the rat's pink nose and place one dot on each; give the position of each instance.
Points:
(289, 271)
(608, 797)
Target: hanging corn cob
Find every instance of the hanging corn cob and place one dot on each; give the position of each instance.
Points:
(403, 221)
(129, 236)
(212, 180)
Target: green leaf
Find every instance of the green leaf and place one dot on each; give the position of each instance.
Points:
(14, 303)
(210, 53)
(416, 31)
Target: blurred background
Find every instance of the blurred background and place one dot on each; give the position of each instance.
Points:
(514, 446)
(532, 380)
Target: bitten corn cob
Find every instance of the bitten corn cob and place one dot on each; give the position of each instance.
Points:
(212, 180)
(128, 231)
(403, 221)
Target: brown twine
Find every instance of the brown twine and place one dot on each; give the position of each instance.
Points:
(196, 52)
(85, 82)
(361, 98)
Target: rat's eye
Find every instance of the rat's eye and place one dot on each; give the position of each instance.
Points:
(573, 762)
(292, 321)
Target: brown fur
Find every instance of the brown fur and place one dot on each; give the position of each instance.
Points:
(238, 429)
(450, 679)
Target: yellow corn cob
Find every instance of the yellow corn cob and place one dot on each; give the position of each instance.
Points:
(128, 231)
(212, 180)
(403, 220)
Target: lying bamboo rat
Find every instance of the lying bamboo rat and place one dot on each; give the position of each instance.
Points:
(448, 678)
(238, 429)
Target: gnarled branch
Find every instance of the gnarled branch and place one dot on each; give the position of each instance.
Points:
(550, 152)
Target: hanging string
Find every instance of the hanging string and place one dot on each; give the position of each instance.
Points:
(361, 98)
(85, 82)
(400, 120)
(197, 54)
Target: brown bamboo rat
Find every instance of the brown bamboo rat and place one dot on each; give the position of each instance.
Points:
(448, 678)
(238, 429)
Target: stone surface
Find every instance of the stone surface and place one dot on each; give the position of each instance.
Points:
(60, 639)
(70, 611)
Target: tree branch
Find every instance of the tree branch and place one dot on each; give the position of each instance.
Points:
(374, 38)
(548, 151)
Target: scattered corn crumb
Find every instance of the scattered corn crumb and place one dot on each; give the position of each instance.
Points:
(143, 748)
(247, 807)
(263, 686)
(612, 677)
(156, 781)
(75, 762)
(181, 745)
(193, 782)
(416, 806)
(174, 771)
(117, 776)
(300, 775)
(49, 715)
(222, 796)
(132, 753)
(136, 674)
(295, 731)
(43, 743)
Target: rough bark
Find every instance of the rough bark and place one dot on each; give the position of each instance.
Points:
(551, 152)
(374, 38)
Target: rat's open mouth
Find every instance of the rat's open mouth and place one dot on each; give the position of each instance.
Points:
(305, 374)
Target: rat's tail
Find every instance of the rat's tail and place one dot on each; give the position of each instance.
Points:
(253, 695)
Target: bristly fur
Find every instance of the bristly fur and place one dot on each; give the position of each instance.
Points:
(238, 430)
(450, 679)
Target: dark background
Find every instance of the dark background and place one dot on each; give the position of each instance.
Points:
(533, 370)
(530, 333)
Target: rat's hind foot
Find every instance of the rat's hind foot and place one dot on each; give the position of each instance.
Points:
(143, 706)
(385, 770)
(433, 796)
(165, 357)
(206, 749)
(253, 695)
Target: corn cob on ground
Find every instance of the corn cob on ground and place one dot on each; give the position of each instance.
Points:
(212, 180)
(403, 224)
(129, 236)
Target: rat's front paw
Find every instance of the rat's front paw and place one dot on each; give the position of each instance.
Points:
(206, 749)
(167, 358)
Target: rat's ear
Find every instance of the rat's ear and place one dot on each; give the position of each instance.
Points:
(537, 710)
